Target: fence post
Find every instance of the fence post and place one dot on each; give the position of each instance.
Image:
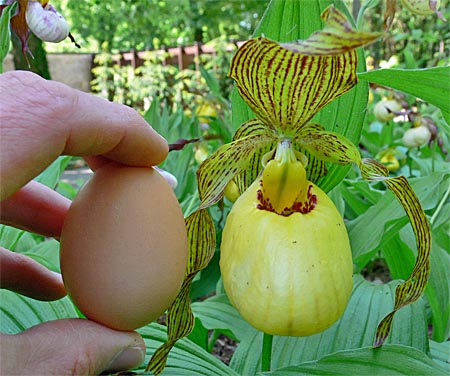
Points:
(197, 53)
(180, 53)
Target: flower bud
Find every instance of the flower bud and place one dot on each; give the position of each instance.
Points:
(385, 110)
(416, 137)
(46, 23)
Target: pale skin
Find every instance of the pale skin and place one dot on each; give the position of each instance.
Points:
(41, 120)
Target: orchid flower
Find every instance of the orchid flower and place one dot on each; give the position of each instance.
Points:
(285, 85)
(39, 17)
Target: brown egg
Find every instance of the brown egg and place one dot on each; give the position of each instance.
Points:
(124, 247)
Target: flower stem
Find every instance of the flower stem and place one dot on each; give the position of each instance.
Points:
(266, 362)
(440, 206)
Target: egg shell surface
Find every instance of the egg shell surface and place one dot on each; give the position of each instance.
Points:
(124, 247)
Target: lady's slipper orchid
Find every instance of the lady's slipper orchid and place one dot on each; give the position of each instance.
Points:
(39, 17)
(390, 158)
(46, 23)
(274, 160)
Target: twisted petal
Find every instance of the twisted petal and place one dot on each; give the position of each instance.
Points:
(287, 84)
(335, 148)
(180, 319)
(231, 159)
(336, 38)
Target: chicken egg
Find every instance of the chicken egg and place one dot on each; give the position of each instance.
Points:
(124, 247)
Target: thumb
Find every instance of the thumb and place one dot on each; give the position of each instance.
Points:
(70, 347)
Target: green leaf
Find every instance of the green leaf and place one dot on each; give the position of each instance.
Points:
(440, 354)
(5, 32)
(9, 236)
(186, 358)
(368, 304)
(19, 312)
(47, 254)
(389, 360)
(430, 85)
(212, 82)
(399, 254)
(385, 217)
(217, 313)
(52, 173)
(437, 291)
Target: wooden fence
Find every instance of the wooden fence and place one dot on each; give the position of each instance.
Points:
(181, 56)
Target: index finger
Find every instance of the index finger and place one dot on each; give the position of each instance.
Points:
(41, 120)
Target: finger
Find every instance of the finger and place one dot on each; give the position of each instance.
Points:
(25, 276)
(42, 119)
(70, 346)
(35, 208)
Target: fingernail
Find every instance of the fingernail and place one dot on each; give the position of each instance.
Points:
(171, 179)
(126, 359)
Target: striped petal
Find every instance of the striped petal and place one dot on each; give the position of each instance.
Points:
(333, 147)
(249, 174)
(337, 37)
(231, 159)
(285, 85)
(180, 319)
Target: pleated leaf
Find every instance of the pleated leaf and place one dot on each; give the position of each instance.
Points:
(229, 160)
(336, 148)
(180, 319)
(19, 312)
(389, 361)
(186, 358)
(430, 85)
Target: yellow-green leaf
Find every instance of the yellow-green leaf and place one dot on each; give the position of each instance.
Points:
(229, 160)
(180, 320)
(335, 148)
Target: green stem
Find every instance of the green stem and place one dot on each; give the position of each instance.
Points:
(433, 155)
(266, 362)
(440, 206)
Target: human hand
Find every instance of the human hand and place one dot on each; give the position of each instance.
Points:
(41, 120)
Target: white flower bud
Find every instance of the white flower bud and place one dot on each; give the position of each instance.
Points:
(46, 23)
(416, 137)
(385, 110)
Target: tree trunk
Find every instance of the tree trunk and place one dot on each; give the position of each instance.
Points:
(38, 64)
